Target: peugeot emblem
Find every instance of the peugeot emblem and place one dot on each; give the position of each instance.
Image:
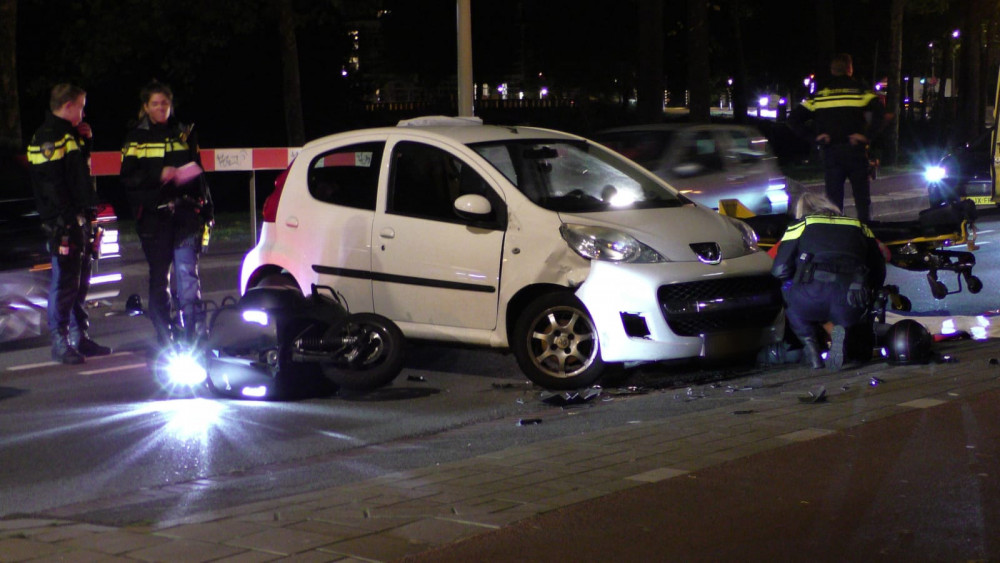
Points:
(708, 252)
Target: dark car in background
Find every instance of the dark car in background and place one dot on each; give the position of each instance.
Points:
(25, 264)
(961, 172)
(706, 162)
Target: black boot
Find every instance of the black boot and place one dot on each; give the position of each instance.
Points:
(838, 341)
(810, 353)
(63, 352)
(88, 347)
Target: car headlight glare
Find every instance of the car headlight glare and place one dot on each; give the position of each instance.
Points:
(935, 173)
(606, 244)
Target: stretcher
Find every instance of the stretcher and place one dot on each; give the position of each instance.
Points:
(925, 244)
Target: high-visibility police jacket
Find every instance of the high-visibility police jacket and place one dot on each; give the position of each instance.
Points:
(839, 110)
(836, 244)
(148, 149)
(59, 166)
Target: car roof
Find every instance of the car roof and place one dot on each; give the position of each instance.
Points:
(675, 127)
(462, 130)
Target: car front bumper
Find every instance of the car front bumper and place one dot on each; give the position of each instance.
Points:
(652, 312)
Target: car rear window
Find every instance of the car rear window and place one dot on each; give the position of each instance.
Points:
(347, 176)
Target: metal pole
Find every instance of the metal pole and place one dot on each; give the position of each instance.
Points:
(253, 208)
(465, 87)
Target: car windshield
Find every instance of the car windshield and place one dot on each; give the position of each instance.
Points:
(576, 176)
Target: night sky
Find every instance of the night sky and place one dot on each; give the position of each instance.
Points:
(228, 81)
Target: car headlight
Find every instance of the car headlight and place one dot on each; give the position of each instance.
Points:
(748, 234)
(610, 245)
(935, 173)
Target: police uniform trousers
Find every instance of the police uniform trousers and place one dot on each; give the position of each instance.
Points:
(844, 162)
(172, 246)
(809, 305)
(70, 282)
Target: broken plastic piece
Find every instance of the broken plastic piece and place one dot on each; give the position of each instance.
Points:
(571, 397)
(816, 395)
(529, 421)
(747, 411)
(875, 382)
(415, 378)
(994, 361)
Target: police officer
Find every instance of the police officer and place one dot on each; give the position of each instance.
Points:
(59, 164)
(829, 266)
(172, 207)
(844, 117)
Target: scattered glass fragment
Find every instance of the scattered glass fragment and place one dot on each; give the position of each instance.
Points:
(816, 395)
(875, 382)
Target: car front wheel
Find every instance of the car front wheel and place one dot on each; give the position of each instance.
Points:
(556, 343)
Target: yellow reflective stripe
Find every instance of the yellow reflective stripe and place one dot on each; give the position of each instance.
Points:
(794, 230)
(827, 99)
(68, 144)
(153, 150)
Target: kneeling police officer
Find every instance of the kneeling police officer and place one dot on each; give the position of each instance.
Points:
(829, 266)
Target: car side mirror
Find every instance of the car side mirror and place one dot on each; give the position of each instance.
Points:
(473, 207)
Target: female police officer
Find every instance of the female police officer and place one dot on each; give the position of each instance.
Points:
(829, 266)
(172, 207)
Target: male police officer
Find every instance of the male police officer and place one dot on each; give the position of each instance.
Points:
(829, 265)
(59, 159)
(845, 116)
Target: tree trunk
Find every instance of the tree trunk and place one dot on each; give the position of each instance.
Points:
(291, 87)
(972, 108)
(826, 36)
(10, 113)
(895, 94)
(650, 104)
(739, 86)
(699, 88)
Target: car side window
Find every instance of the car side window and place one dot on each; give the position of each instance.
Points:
(704, 151)
(425, 181)
(347, 176)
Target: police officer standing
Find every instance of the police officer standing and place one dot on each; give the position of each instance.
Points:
(829, 266)
(844, 117)
(172, 207)
(59, 164)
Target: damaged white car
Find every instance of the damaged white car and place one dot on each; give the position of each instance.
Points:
(570, 255)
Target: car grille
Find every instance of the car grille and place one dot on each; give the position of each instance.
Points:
(725, 304)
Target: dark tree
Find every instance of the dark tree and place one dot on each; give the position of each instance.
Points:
(291, 82)
(10, 114)
(650, 95)
(699, 81)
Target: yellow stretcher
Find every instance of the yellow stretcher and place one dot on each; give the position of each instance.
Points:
(925, 244)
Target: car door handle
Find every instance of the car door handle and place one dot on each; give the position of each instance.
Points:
(387, 233)
(292, 222)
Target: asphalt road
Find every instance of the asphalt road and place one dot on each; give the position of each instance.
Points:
(106, 442)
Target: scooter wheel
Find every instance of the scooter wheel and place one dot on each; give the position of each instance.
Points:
(904, 304)
(975, 284)
(939, 290)
(372, 360)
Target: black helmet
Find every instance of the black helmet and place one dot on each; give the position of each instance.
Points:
(908, 342)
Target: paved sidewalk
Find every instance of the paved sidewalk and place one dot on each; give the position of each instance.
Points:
(414, 512)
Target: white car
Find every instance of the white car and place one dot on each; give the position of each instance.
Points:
(543, 242)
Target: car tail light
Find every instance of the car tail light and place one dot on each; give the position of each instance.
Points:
(270, 211)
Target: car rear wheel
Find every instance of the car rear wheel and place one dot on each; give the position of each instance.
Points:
(556, 343)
